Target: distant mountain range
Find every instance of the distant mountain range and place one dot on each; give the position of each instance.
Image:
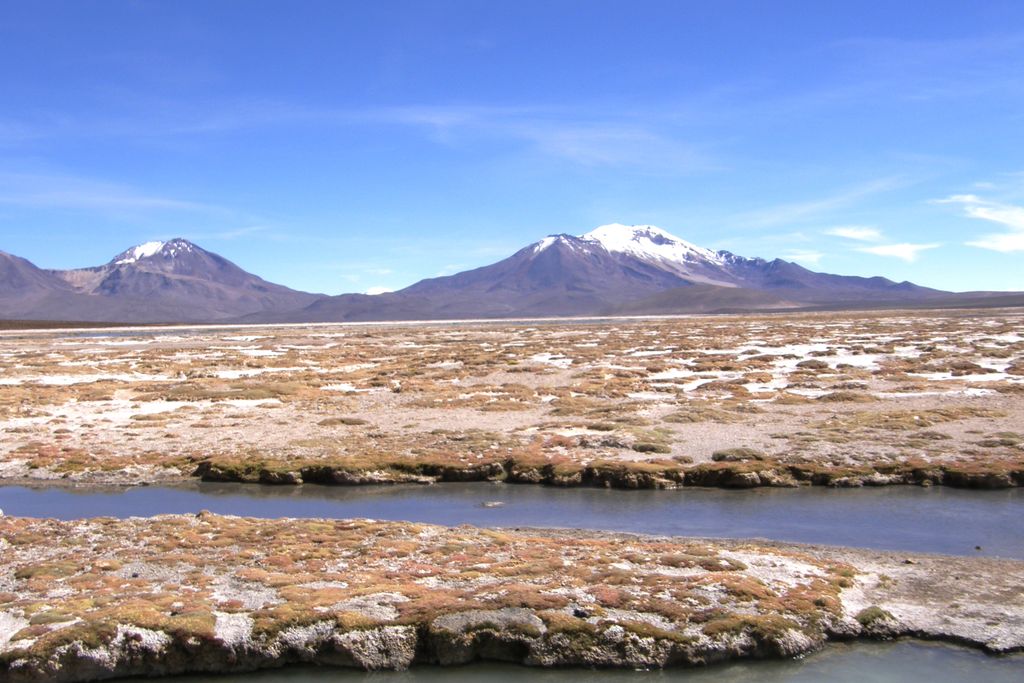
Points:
(613, 270)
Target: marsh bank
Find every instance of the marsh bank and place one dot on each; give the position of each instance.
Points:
(208, 593)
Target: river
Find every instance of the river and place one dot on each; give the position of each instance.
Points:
(936, 520)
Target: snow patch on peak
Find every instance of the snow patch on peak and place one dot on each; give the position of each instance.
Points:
(649, 242)
(177, 246)
(563, 239)
(141, 251)
(168, 249)
(544, 244)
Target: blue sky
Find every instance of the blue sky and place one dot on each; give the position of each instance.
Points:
(343, 146)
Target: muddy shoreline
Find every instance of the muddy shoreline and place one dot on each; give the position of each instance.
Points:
(635, 475)
(631, 476)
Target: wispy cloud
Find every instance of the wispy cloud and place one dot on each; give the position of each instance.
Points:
(811, 258)
(228, 235)
(613, 144)
(589, 138)
(447, 116)
(1009, 216)
(69, 192)
(451, 269)
(904, 251)
(796, 212)
(378, 290)
(356, 271)
(1002, 242)
(860, 233)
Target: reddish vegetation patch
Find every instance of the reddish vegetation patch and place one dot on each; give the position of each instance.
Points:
(176, 574)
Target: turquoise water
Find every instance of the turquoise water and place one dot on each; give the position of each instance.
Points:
(907, 661)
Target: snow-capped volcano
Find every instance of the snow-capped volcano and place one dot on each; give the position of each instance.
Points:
(611, 263)
(620, 268)
(173, 257)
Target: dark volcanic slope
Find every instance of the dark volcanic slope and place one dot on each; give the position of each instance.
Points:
(809, 286)
(567, 276)
(706, 299)
(20, 276)
(26, 290)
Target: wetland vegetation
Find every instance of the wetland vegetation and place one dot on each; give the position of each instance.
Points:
(828, 400)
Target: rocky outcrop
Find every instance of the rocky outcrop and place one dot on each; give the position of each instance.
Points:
(513, 635)
(135, 651)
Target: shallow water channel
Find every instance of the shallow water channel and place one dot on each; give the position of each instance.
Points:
(936, 520)
(910, 662)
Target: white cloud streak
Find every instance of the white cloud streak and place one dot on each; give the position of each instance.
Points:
(229, 234)
(586, 137)
(811, 258)
(1002, 242)
(904, 251)
(1009, 216)
(860, 233)
(786, 214)
(568, 134)
(450, 269)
